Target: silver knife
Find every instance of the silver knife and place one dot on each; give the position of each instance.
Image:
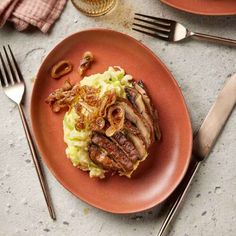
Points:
(204, 142)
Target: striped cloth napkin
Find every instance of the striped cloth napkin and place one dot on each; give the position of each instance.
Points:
(39, 13)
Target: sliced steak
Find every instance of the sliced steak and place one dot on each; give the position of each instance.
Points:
(100, 158)
(140, 87)
(113, 151)
(136, 99)
(126, 145)
(136, 137)
(132, 115)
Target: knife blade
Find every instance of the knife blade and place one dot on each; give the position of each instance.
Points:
(204, 142)
(215, 120)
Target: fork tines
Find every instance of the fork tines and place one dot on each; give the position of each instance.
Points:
(154, 26)
(9, 72)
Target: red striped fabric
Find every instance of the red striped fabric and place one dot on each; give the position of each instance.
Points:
(39, 13)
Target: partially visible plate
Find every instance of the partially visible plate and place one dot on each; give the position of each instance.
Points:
(156, 177)
(204, 7)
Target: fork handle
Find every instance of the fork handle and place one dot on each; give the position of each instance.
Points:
(214, 38)
(179, 195)
(37, 164)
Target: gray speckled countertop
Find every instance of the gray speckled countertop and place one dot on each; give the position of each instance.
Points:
(200, 68)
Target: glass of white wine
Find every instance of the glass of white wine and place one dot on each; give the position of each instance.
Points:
(94, 7)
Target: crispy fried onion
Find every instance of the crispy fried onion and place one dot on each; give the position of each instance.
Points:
(90, 95)
(116, 117)
(80, 124)
(61, 68)
(106, 102)
(85, 62)
(98, 124)
(98, 120)
(62, 97)
(100, 114)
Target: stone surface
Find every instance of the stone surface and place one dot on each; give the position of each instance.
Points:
(200, 68)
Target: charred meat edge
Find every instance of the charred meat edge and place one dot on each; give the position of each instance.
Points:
(126, 145)
(132, 115)
(112, 150)
(139, 145)
(140, 87)
(135, 136)
(136, 99)
(101, 159)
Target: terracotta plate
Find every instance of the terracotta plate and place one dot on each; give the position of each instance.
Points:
(205, 7)
(160, 174)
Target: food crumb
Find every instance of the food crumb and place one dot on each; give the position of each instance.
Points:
(65, 223)
(137, 218)
(204, 213)
(126, 24)
(24, 201)
(217, 190)
(11, 143)
(86, 211)
(32, 80)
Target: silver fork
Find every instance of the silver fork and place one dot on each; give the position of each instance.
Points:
(170, 30)
(14, 87)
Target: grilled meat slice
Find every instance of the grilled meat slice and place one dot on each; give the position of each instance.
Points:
(129, 126)
(102, 159)
(126, 145)
(113, 151)
(132, 115)
(136, 137)
(136, 99)
(140, 146)
(140, 87)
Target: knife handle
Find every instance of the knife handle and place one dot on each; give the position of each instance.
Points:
(179, 195)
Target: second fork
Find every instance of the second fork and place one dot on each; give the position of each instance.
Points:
(170, 30)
